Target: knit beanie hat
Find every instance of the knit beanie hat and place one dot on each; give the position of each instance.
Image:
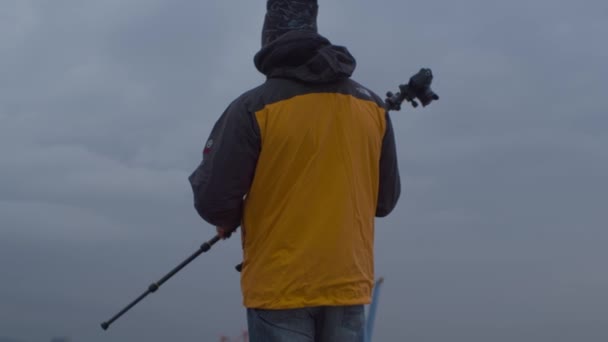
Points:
(288, 15)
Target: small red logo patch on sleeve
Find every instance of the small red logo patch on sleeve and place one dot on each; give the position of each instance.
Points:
(208, 146)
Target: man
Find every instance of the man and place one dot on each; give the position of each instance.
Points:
(303, 164)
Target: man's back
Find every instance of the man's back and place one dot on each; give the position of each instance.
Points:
(314, 153)
(309, 216)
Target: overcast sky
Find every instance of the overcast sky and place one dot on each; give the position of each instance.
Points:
(500, 234)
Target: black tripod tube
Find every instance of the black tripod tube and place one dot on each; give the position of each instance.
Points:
(154, 286)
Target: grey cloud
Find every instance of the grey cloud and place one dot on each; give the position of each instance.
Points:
(500, 233)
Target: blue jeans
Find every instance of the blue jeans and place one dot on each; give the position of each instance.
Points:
(314, 324)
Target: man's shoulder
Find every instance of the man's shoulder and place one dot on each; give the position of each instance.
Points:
(365, 93)
(270, 91)
(249, 99)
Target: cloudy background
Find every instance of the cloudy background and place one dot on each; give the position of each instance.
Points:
(501, 231)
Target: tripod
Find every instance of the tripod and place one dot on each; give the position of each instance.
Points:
(419, 87)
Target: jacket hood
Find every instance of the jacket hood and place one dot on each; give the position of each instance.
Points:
(305, 56)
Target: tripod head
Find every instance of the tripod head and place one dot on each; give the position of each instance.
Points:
(419, 87)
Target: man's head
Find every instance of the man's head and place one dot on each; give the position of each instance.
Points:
(292, 47)
(288, 15)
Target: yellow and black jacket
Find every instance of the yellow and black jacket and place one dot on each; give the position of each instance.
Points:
(303, 163)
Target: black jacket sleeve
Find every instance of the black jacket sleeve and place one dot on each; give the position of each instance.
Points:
(226, 171)
(390, 182)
